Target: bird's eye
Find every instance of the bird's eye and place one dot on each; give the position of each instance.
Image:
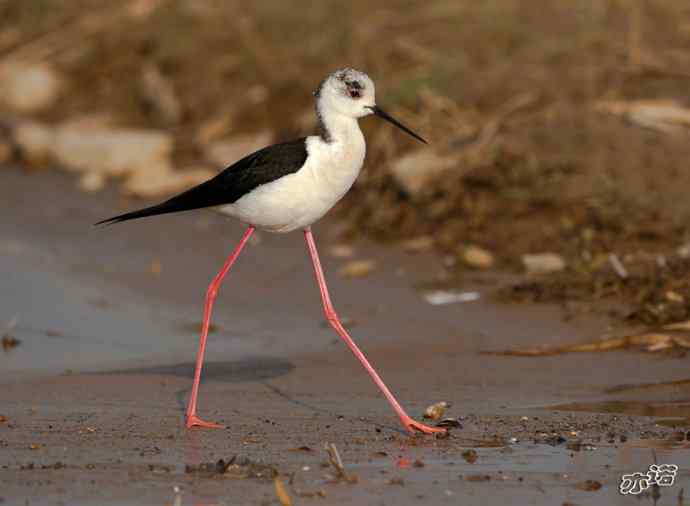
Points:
(353, 93)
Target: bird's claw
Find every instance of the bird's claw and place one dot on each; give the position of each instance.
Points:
(414, 427)
(195, 421)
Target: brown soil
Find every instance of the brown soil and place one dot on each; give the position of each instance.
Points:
(557, 175)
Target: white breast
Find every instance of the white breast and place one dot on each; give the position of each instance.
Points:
(297, 200)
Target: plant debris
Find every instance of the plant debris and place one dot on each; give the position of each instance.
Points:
(418, 244)
(236, 467)
(550, 439)
(337, 464)
(655, 288)
(589, 485)
(282, 494)
(671, 336)
(9, 342)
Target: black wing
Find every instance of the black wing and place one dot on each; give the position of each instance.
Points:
(261, 167)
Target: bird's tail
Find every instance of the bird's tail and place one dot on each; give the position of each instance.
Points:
(163, 208)
(184, 202)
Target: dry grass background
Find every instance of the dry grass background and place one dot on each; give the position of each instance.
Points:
(508, 90)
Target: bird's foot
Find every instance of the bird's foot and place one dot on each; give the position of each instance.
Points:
(413, 427)
(195, 421)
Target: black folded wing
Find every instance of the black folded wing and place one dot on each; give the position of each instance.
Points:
(261, 167)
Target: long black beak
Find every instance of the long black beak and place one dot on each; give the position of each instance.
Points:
(383, 114)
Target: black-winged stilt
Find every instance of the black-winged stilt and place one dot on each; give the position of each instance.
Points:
(286, 187)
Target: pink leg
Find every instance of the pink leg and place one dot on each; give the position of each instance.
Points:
(410, 424)
(192, 419)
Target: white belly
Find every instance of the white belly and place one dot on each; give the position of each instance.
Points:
(297, 200)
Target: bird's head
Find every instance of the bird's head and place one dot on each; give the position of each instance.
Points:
(352, 93)
(347, 92)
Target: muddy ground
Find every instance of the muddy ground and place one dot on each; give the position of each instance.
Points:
(93, 396)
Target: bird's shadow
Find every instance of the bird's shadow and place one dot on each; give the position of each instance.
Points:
(250, 369)
(232, 371)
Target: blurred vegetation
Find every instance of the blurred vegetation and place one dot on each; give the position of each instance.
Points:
(552, 173)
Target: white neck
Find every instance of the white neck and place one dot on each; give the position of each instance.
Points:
(336, 127)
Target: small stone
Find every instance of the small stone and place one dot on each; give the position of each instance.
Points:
(672, 296)
(442, 297)
(470, 456)
(6, 151)
(684, 251)
(35, 141)
(415, 171)
(9, 342)
(342, 251)
(357, 268)
(165, 181)
(477, 257)
(29, 87)
(155, 267)
(575, 446)
(115, 152)
(92, 182)
(543, 263)
(436, 411)
(141, 9)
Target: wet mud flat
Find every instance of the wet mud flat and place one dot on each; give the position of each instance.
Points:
(93, 394)
(118, 439)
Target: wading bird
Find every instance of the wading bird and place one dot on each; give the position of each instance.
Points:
(286, 187)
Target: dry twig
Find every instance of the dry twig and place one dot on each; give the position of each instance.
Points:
(337, 463)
